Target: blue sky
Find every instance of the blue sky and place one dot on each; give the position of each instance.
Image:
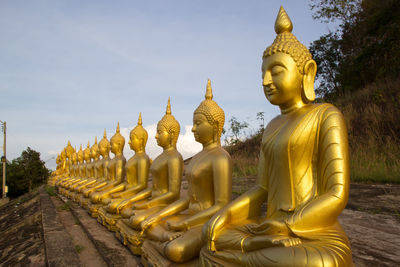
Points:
(69, 69)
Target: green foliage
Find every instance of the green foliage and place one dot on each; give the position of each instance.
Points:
(236, 129)
(50, 190)
(79, 248)
(25, 173)
(334, 10)
(364, 49)
(65, 207)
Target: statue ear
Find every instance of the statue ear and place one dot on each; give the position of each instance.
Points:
(215, 131)
(310, 70)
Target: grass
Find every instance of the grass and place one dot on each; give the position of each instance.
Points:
(373, 120)
(65, 207)
(79, 248)
(50, 190)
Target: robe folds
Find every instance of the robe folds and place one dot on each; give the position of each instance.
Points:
(304, 168)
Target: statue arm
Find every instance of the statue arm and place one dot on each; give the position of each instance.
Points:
(246, 206)
(173, 208)
(175, 168)
(222, 187)
(119, 170)
(141, 195)
(333, 177)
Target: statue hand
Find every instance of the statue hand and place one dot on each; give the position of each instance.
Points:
(140, 206)
(176, 226)
(147, 223)
(269, 227)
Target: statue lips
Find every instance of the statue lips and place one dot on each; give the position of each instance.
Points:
(269, 91)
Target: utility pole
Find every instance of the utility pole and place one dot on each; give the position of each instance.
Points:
(4, 159)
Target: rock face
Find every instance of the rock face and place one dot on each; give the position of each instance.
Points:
(374, 238)
(21, 241)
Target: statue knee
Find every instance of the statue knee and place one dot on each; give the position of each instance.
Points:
(177, 251)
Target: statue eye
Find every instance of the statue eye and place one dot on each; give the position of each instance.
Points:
(276, 70)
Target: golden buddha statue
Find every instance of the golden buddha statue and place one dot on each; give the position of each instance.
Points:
(102, 178)
(116, 170)
(303, 175)
(66, 178)
(174, 233)
(166, 172)
(89, 179)
(137, 172)
(95, 155)
(88, 166)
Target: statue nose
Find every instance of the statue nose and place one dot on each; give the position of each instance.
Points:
(267, 81)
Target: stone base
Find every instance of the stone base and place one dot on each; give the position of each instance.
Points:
(84, 202)
(129, 237)
(94, 209)
(152, 257)
(110, 220)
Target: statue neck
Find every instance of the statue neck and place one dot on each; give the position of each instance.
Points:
(211, 145)
(285, 109)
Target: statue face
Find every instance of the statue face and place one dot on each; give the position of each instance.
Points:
(104, 149)
(163, 137)
(87, 154)
(115, 147)
(135, 143)
(203, 131)
(282, 81)
(95, 151)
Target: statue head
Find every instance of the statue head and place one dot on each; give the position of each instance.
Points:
(288, 68)
(63, 155)
(80, 155)
(58, 159)
(95, 151)
(208, 119)
(69, 150)
(138, 136)
(168, 129)
(117, 142)
(87, 153)
(104, 145)
(74, 158)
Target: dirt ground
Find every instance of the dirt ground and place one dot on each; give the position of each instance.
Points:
(371, 220)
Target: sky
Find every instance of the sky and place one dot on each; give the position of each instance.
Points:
(70, 69)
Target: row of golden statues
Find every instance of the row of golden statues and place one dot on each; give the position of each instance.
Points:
(303, 178)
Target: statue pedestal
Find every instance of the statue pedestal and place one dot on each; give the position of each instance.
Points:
(129, 237)
(152, 257)
(109, 220)
(94, 209)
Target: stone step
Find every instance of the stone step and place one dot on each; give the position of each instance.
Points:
(59, 247)
(110, 249)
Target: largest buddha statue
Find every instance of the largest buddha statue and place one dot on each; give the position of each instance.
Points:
(303, 175)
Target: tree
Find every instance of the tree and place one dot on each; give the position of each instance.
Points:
(364, 49)
(236, 128)
(25, 173)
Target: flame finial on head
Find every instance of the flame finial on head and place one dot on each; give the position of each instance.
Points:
(140, 119)
(117, 131)
(105, 133)
(168, 111)
(283, 22)
(95, 139)
(209, 94)
(88, 144)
